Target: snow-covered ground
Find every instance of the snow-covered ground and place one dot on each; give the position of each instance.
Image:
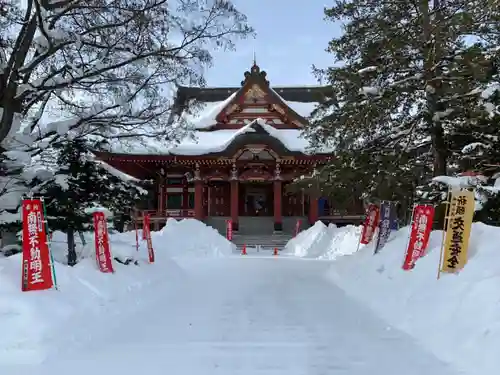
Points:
(456, 317)
(34, 323)
(320, 307)
(253, 315)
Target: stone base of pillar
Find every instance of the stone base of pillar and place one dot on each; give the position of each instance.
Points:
(278, 227)
(236, 226)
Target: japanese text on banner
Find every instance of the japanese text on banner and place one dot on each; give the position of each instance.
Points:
(456, 243)
(421, 228)
(370, 223)
(103, 252)
(37, 272)
(384, 227)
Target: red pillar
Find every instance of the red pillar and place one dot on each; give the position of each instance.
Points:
(161, 197)
(234, 204)
(313, 209)
(165, 196)
(234, 199)
(185, 195)
(278, 220)
(198, 199)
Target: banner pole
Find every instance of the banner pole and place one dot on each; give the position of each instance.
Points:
(445, 230)
(46, 223)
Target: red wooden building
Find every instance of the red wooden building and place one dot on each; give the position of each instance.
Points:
(247, 147)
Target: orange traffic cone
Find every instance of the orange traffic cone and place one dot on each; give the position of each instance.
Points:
(244, 250)
(275, 251)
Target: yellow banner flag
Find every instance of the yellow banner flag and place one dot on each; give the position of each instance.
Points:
(458, 230)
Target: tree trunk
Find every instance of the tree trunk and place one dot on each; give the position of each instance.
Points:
(6, 120)
(9, 81)
(432, 52)
(439, 151)
(120, 223)
(72, 259)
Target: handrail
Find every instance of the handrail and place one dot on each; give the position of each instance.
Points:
(178, 213)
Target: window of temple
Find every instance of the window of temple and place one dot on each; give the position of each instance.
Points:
(175, 181)
(174, 201)
(191, 200)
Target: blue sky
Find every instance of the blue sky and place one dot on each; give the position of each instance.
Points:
(291, 36)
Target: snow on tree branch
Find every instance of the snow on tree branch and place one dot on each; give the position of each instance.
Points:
(414, 83)
(123, 54)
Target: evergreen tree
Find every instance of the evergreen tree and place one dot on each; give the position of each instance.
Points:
(407, 80)
(81, 183)
(479, 146)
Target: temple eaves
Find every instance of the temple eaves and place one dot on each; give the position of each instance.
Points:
(303, 94)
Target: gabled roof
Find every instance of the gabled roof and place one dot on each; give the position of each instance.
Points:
(300, 101)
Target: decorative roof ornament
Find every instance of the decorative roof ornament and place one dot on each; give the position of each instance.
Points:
(255, 93)
(255, 74)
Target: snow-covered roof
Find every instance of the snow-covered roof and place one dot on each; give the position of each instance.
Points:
(205, 113)
(301, 108)
(206, 142)
(204, 117)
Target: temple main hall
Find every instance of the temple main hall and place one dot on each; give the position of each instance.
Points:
(245, 148)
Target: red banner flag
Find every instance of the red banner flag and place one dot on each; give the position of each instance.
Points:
(421, 228)
(102, 250)
(147, 233)
(229, 230)
(37, 272)
(370, 224)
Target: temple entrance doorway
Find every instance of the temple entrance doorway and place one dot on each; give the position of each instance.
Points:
(256, 199)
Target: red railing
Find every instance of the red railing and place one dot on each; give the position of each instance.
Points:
(155, 214)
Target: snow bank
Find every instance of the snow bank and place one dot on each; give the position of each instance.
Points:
(191, 238)
(185, 238)
(456, 317)
(34, 323)
(322, 242)
(304, 241)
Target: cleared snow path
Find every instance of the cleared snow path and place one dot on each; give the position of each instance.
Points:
(249, 315)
